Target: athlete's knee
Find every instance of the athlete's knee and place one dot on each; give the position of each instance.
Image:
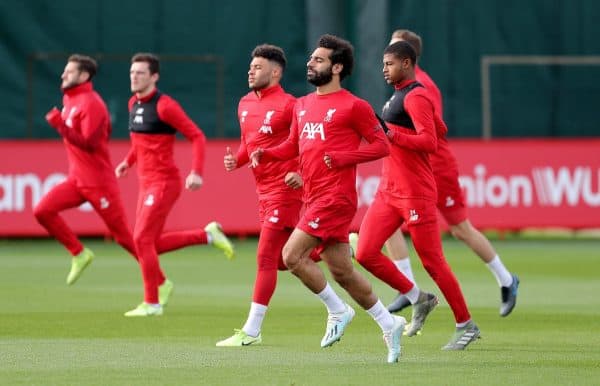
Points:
(127, 243)
(281, 265)
(265, 262)
(142, 241)
(461, 231)
(42, 213)
(341, 274)
(290, 259)
(365, 252)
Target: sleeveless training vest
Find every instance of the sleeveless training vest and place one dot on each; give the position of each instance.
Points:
(143, 118)
(393, 110)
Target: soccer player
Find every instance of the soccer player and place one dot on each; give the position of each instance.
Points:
(450, 203)
(327, 129)
(265, 115)
(407, 194)
(84, 125)
(154, 119)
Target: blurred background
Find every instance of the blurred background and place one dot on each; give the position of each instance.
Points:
(506, 68)
(520, 82)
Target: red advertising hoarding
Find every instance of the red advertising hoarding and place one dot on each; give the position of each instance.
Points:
(508, 184)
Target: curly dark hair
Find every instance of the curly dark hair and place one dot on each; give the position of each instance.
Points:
(402, 50)
(271, 53)
(343, 52)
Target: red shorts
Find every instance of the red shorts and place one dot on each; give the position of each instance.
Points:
(328, 220)
(279, 214)
(451, 202)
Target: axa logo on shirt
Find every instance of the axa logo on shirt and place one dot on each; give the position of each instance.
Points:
(311, 129)
(266, 127)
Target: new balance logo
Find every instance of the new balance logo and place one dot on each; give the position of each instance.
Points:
(413, 215)
(449, 202)
(149, 200)
(314, 224)
(387, 104)
(243, 116)
(275, 217)
(104, 203)
(265, 129)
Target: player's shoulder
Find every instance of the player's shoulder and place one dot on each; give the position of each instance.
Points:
(358, 103)
(165, 98)
(289, 97)
(94, 100)
(131, 100)
(249, 97)
(419, 89)
(305, 98)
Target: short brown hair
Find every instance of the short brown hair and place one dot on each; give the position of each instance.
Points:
(152, 60)
(412, 38)
(85, 63)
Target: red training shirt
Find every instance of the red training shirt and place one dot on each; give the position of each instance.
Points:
(154, 152)
(265, 122)
(332, 124)
(85, 130)
(407, 172)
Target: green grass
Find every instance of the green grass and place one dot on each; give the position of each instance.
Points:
(51, 334)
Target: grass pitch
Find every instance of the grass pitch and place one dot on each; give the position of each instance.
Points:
(51, 334)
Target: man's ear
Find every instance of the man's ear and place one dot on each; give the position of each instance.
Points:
(337, 68)
(84, 76)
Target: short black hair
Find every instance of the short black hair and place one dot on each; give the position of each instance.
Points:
(343, 52)
(152, 60)
(402, 50)
(271, 53)
(85, 63)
